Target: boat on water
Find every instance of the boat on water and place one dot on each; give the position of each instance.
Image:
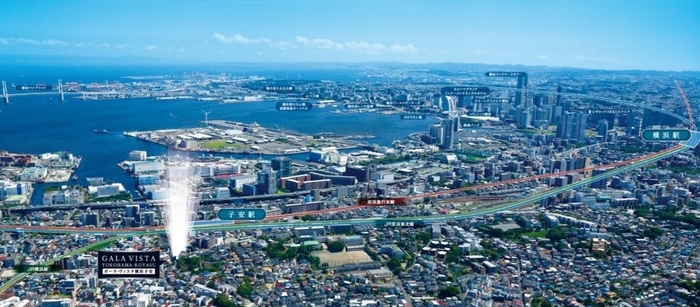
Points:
(74, 177)
(101, 131)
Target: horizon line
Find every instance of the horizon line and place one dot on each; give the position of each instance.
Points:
(58, 59)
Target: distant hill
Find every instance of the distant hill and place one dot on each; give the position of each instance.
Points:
(451, 67)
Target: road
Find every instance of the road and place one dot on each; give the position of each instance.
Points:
(19, 276)
(695, 137)
(611, 100)
(369, 221)
(622, 167)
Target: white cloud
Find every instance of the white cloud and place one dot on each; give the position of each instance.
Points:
(318, 43)
(302, 40)
(324, 43)
(282, 45)
(59, 43)
(403, 48)
(151, 48)
(597, 59)
(543, 56)
(53, 42)
(362, 46)
(239, 39)
(27, 41)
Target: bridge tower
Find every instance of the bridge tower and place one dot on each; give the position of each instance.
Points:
(5, 96)
(60, 90)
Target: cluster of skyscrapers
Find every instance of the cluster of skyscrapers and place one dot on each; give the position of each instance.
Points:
(539, 112)
(445, 133)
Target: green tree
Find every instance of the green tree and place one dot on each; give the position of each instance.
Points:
(394, 263)
(189, 264)
(222, 300)
(336, 246)
(371, 253)
(449, 292)
(453, 255)
(536, 302)
(211, 284)
(309, 218)
(653, 232)
(555, 234)
(246, 289)
(423, 237)
(493, 232)
(641, 211)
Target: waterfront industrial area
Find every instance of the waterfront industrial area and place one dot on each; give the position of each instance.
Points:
(234, 137)
(542, 192)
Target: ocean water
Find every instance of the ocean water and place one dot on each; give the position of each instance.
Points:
(38, 124)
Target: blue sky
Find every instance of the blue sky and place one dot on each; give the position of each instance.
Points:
(620, 34)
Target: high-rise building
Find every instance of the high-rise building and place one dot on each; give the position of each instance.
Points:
(603, 130)
(538, 100)
(602, 183)
(464, 101)
(521, 96)
(566, 105)
(91, 219)
(525, 119)
(446, 103)
(559, 95)
(131, 210)
(572, 126)
(583, 163)
(282, 165)
(656, 118)
(558, 166)
(557, 112)
(63, 302)
(542, 114)
(362, 173)
(477, 106)
(451, 136)
(147, 218)
(267, 181)
(138, 155)
(565, 126)
(437, 134)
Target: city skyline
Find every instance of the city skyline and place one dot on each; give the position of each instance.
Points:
(646, 35)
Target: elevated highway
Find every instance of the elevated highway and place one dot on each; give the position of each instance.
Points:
(491, 209)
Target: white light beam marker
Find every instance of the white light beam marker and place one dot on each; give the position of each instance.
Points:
(179, 209)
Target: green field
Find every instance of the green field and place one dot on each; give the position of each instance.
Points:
(590, 133)
(221, 144)
(535, 234)
(535, 131)
(472, 158)
(214, 145)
